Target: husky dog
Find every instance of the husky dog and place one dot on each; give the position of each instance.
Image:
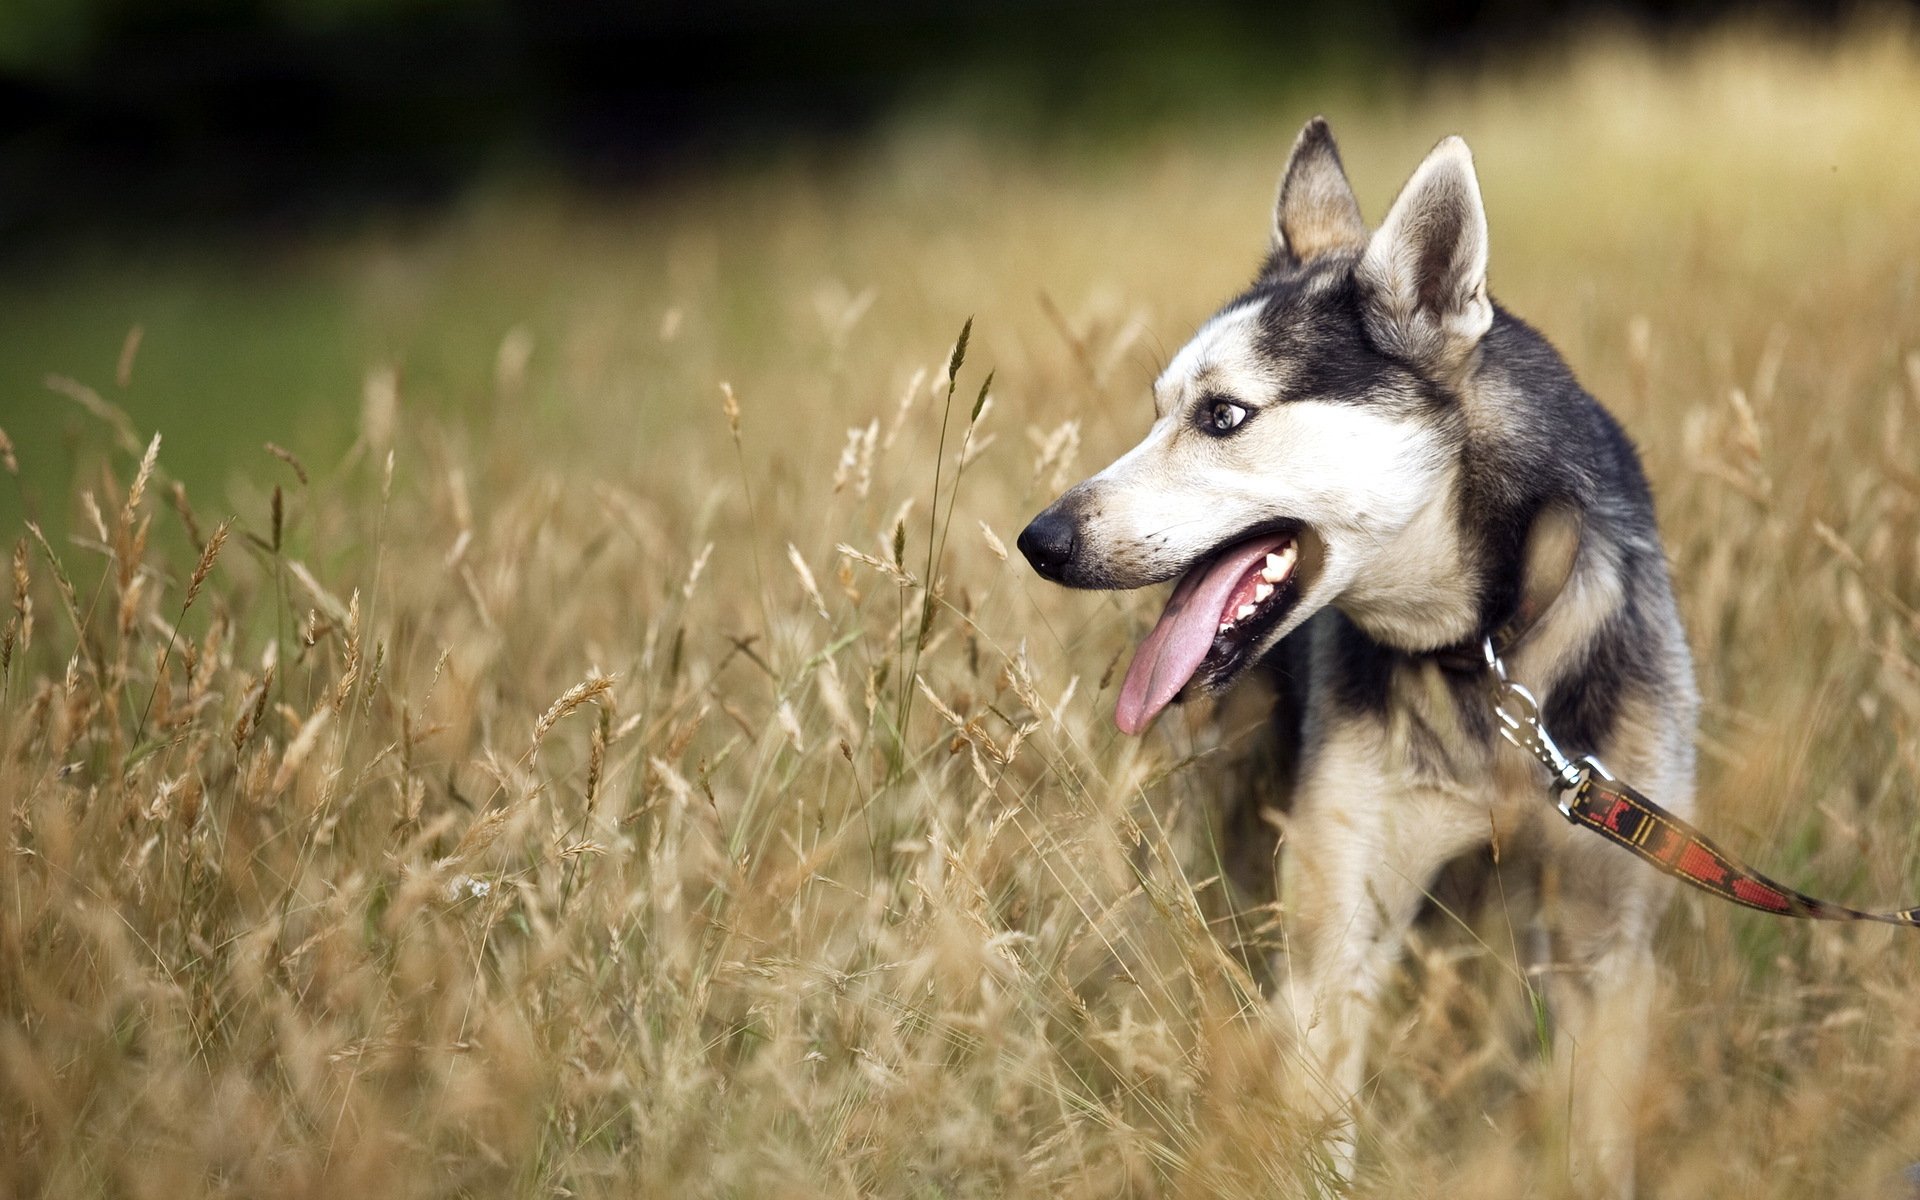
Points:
(1359, 469)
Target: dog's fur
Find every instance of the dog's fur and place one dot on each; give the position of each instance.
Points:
(1424, 444)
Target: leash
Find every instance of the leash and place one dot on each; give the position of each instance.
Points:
(1588, 796)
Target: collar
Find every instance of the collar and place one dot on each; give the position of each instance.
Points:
(1552, 548)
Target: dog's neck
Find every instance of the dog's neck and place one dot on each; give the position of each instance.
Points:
(1438, 589)
(1420, 590)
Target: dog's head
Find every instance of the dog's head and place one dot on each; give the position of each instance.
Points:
(1304, 441)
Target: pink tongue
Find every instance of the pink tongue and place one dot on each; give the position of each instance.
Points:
(1169, 656)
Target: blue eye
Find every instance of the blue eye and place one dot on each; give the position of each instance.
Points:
(1224, 416)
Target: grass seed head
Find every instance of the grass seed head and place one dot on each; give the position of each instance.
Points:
(730, 406)
(587, 691)
(959, 355)
(177, 495)
(209, 554)
(22, 594)
(139, 488)
(287, 456)
(129, 349)
(807, 582)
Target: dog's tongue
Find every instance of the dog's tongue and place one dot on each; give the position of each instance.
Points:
(1169, 655)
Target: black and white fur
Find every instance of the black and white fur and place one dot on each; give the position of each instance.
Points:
(1419, 438)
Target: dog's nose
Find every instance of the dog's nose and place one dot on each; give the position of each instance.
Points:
(1048, 542)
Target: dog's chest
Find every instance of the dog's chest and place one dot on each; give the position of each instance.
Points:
(1426, 731)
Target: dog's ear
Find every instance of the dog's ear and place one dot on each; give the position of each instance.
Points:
(1424, 274)
(1316, 211)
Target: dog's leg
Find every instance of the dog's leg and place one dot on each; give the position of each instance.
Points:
(1600, 994)
(1360, 852)
(1603, 910)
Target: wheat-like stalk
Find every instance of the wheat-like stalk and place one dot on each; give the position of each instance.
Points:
(288, 457)
(587, 691)
(138, 490)
(209, 554)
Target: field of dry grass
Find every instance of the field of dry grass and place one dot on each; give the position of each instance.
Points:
(573, 790)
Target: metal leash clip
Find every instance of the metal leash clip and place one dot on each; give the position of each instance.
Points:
(1520, 724)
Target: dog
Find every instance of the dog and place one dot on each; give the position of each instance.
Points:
(1359, 470)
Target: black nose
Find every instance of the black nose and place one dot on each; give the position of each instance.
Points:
(1048, 542)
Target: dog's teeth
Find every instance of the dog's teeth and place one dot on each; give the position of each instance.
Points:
(1246, 610)
(1261, 591)
(1225, 626)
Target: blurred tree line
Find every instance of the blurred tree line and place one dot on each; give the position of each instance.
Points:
(184, 112)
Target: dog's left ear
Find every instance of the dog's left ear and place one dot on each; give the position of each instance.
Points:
(1424, 273)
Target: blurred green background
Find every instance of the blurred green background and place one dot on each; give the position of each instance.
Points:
(280, 195)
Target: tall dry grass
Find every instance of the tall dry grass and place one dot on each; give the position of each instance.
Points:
(654, 779)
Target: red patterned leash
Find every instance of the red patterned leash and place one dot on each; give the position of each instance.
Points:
(1588, 796)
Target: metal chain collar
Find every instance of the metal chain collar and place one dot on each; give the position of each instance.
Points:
(1519, 715)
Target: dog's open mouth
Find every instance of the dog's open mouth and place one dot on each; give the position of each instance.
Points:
(1220, 608)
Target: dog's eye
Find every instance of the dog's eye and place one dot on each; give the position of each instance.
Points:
(1224, 416)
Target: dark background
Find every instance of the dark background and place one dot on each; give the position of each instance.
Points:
(196, 114)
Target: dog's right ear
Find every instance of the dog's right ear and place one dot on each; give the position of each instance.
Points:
(1316, 211)
(1424, 274)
